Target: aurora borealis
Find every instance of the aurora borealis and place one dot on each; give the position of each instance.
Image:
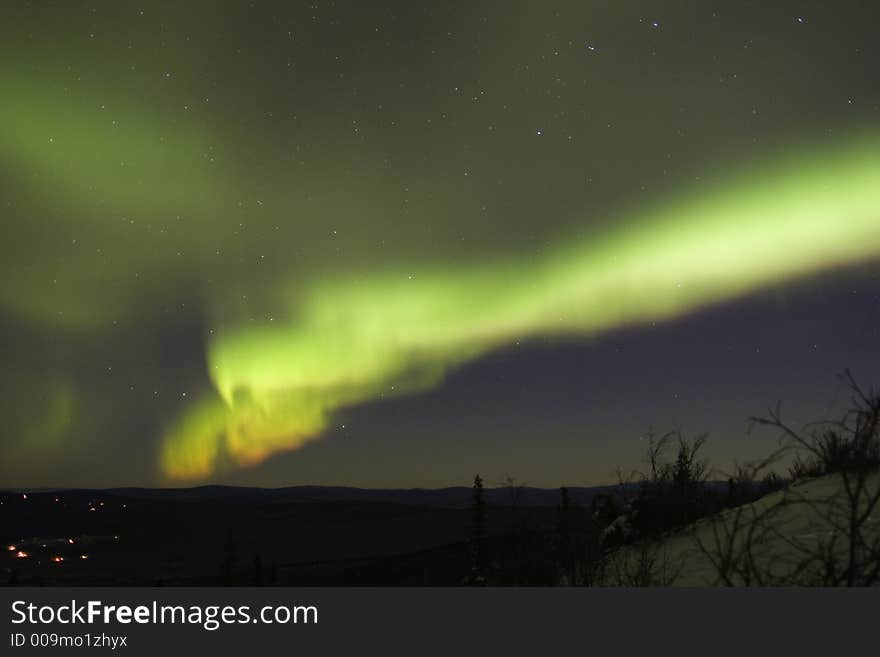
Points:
(234, 238)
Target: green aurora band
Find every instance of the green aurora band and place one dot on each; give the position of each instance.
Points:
(359, 339)
(120, 216)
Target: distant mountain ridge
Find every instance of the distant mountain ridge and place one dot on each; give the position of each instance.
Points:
(451, 497)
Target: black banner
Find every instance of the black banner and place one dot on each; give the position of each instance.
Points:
(205, 621)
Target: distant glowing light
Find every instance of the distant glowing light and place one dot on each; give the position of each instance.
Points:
(57, 559)
(70, 541)
(12, 548)
(351, 341)
(21, 554)
(83, 556)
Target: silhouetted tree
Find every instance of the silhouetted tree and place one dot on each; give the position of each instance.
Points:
(659, 471)
(258, 570)
(757, 544)
(565, 539)
(688, 473)
(517, 539)
(771, 483)
(848, 551)
(669, 494)
(478, 535)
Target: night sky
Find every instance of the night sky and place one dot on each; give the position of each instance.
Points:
(394, 244)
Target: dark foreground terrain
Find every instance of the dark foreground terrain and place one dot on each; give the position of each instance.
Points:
(291, 536)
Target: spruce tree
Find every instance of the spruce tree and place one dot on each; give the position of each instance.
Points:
(478, 534)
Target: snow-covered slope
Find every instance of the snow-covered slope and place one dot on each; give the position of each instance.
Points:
(798, 536)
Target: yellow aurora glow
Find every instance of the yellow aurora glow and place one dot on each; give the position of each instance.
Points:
(355, 340)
